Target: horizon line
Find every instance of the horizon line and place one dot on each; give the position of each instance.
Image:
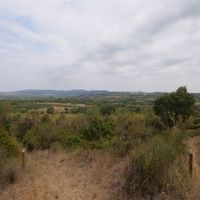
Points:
(89, 90)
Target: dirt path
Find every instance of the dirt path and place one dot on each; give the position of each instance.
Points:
(193, 145)
(65, 177)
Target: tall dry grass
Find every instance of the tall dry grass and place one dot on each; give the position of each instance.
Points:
(75, 175)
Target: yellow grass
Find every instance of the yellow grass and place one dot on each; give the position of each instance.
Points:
(66, 176)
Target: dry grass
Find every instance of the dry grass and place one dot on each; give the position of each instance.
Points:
(78, 175)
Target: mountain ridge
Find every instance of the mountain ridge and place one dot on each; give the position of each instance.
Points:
(56, 93)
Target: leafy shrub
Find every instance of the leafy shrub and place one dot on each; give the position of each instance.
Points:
(5, 108)
(8, 171)
(133, 126)
(107, 109)
(77, 110)
(131, 130)
(45, 119)
(73, 140)
(9, 150)
(120, 148)
(148, 171)
(41, 137)
(55, 147)
(8, 145)
(98, 127)
(22, 126)
(153, 122)
(196, 120)
(193, 123)
(78, 124)
(50, 110)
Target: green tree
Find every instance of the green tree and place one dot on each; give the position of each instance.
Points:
(50, 110)
(8, 145)
(98, 126)
(107, 109)
(174, 107)
(5, 109)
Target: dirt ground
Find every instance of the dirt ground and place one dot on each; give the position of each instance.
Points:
(194, 145)
(66, 176)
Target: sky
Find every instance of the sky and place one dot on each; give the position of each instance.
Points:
(117, 45)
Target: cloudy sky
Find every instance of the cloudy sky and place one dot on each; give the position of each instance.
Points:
(123, 45)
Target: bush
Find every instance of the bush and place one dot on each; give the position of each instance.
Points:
(148, 171)
(50, 110)
(41, 136)
(98, 127)
(9, 151)
(133, 126)
(45, 119)
(196, 120)
(107, 109)
(73, 140)
(22, 126)
(131, 130)
(153, 122)
(55, 147)
(8, 170)
(8, 145)
(120, 148)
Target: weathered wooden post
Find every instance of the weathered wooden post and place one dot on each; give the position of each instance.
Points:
(191, 162)
(23, 158)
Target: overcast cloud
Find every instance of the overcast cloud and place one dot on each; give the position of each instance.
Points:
(124, 45)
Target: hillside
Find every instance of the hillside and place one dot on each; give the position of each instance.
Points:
(53, 93)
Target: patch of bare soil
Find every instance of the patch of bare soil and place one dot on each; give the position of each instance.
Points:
(66, 176)
(194, 145)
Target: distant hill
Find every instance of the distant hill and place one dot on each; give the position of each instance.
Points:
(79, 93)
(56, 93)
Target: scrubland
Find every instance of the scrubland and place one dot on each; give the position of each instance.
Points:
(104, 150)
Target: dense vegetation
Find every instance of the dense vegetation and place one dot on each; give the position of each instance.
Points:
(121, 126)
(175, 107)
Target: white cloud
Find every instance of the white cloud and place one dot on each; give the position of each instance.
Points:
(89, 44)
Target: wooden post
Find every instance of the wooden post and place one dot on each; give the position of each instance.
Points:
(23, 158)
(191, 162)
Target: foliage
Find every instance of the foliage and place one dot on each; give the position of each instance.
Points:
(8, 145)
(5, 108)
(77, 110)
(174, 107)
(72, 140)
(22, 126)
(50, 110)
(120, 126)
(56, 147)
(8, 170)
(153, 122)
(107, 109)
(149, 169)
(45, 119)
(41, 137)
(9, 150)
(98, 126)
